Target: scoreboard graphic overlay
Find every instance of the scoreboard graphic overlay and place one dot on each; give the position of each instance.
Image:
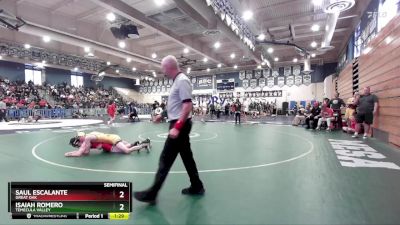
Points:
(70, 200)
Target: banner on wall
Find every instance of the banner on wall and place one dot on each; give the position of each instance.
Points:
(270, 82)
(281, 81)
(226, 84)
(266, 73)
(274, 93)
(154, 89)
(159, 89)
(226, 95)
(204, 81)
(261, 82)
(140, 89)
(194, 80)
(163, 89)
(245, 84)
(307, 79)
(287, 70)
(257, 74)
(298, 80)
(242, 75)
(289, 81)
(275, 72)
(253, 83)
(165, 81)
(249, 74)
(296, 70)
(168, 88)
(170, 81)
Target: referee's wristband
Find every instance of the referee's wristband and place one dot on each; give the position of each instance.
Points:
(179, 125)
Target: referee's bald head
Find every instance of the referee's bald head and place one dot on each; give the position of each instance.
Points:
(169, 66)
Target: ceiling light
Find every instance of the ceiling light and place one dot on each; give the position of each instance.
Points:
(259, 67)
(27, 46)
(186, 50)
(154, 74)
(1, 57)
(108, 63)
(315, 27)
(90, 54)
(102, 73)
(270, 50)
(219, 65)
(247, 15)
(208, 69)
(86, 49)
(388, 40)
(121, 44)
(261, 37)
(133, 68)
(276, 59)
(205, 59)
(159, 2)
(263, 63)
(367, 50)
(46, 38)
(313, 44)
(295, 60)
(217, 45)
(317, 2)
(111, 17)
(76, 69)
(128, 60)
(313, 55)
(233, 55)
(154, 55)
(235, 66)
(117, 71)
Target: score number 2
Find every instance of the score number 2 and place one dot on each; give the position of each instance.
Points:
(121, 206)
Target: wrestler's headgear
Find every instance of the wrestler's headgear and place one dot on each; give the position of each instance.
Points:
(77, 139)
(74, 141)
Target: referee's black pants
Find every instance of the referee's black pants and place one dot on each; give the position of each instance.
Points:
(3, 115)
(173, 147)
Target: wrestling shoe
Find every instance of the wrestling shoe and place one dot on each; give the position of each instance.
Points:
(147, 142)
(135, 143)
(145, 196)
(193, 191)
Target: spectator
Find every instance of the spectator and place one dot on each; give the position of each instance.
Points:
(238, 109)
(218, 109)
(336, 104)
(326, 116)
(3, 111)
(42, 103)
(314, 116)
(300, 118)
(367, 108)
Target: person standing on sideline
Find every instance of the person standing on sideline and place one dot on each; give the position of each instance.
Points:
(238, 109)
(367, 108)
(336, 104)
(3, 111)
(179, 110)
(111, 110)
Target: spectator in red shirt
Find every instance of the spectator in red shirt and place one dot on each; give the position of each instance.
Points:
(326, 115)
(42, 103)
(111, 109)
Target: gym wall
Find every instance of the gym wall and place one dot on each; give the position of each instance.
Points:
(380, 70)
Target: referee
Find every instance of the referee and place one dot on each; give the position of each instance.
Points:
(179, 110)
